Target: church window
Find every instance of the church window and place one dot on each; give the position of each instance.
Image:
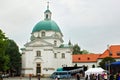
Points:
(55, 42)
(38, 64)
(38, 68)
(38, 53)
(46, 16)
(43, 34)
(63, 55)
(55, 55)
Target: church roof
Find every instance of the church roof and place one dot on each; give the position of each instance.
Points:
(48, 25)
(47, 11)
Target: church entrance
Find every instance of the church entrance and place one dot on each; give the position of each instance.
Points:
(38, 69)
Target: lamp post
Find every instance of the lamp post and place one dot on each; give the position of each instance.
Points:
(109, 66)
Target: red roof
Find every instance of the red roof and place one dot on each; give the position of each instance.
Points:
(85, 57)
(113, 51)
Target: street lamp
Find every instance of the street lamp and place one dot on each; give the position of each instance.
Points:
(109, 66)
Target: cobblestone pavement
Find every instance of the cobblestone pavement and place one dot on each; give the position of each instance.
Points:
(26, 78)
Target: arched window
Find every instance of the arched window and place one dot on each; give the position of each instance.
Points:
(55, 42)
(38, 53)
(55, 55)
(46, 16)
(43, 34)
(63, 55)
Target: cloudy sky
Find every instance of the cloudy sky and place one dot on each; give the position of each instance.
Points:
(93, 24)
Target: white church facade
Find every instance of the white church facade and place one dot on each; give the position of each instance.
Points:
(45, 52)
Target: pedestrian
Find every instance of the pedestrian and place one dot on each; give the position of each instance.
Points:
(94, 77)
(78, 76)
(38, 76)
(119, 76)
(30, 76)
(1, 78)
(86, 78)
(99, 75)
(105, 76)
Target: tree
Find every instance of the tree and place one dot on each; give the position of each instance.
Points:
(76, 49)
(75, 65)
(105, 61)
(4, 59)
(15, 57)
(10, 57)
(84, 52)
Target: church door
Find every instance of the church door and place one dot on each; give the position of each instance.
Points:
(38, 68)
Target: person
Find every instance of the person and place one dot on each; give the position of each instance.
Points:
(78, 76)
(86, 78)
(119, 76)
(38, 76)
(30, 76)
(1, 78)
(94, 77)
(105, 76)
(99, 75)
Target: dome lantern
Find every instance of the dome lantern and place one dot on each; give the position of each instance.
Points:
(47, 24)
(47, 13)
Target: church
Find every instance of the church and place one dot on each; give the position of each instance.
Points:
(45, 52)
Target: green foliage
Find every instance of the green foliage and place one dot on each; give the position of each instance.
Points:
(75, 65)
(2, 36)
(76, 49)
(84, 52)
(4, 59)
(105, 61)
(14, 55)
(10, 58)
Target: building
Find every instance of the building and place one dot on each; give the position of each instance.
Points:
(85, 59)
(94, 59)
(45, 52)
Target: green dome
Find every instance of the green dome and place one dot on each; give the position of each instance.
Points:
(47, 25)
(47, 11)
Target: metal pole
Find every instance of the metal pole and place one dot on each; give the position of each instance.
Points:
(106, 65)
(109, 66)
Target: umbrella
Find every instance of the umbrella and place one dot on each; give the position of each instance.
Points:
(94, 71)
(115, 63)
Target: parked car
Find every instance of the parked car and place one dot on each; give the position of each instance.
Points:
(5, 75)
(61, 74)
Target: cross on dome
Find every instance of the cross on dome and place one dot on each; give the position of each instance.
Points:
(48, 5)
(47, 13)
